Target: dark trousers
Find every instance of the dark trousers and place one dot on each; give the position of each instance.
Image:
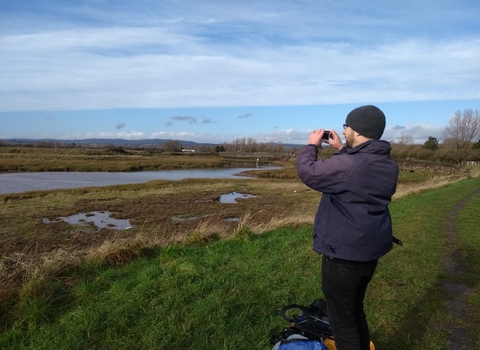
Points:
(344, 284)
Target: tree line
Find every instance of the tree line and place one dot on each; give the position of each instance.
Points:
(461, 141)
(238, 146)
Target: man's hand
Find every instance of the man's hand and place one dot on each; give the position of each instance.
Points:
(335, 141)
(316, 139)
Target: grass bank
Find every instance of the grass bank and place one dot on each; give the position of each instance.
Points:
(226, 294)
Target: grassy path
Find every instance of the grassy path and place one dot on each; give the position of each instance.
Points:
(227, 294)
(464, 327)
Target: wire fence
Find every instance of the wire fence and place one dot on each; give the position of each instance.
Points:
(471, 162)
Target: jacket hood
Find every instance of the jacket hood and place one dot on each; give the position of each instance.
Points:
(372, 146)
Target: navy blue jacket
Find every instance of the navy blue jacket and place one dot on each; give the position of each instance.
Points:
(352, 221)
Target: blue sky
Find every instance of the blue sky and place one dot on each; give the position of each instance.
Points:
(213, 71)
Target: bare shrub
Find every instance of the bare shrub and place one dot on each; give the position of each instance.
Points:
(406, 140)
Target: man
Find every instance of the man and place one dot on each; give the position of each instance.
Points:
(352, 227)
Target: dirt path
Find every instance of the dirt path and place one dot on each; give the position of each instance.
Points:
(458, 306)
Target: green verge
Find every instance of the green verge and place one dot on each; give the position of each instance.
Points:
(468, 246)
(227, 294)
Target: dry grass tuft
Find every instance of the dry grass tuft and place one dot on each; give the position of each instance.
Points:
(295, 219)
(433, 183)
(474, 171)
(118, 251)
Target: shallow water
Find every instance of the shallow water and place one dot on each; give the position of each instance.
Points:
(233, 196)
(43, 181)
(100, 219)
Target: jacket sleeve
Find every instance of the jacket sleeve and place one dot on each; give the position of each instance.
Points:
(329, 175)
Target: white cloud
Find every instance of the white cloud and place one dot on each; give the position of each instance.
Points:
(419, 132)
(132, 135)
(169, 54)
(185, 136)
(284, 135)
(148, 67)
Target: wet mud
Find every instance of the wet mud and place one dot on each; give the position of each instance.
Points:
(88, 223)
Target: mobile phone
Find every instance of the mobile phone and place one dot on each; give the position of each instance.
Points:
(326, 135)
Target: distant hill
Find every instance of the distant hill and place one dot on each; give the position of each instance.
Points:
(104, 142)
(121, 142)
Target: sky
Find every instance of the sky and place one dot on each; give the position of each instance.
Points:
(214, 71)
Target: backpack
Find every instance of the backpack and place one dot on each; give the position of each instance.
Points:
(299, 342)
(309, 331)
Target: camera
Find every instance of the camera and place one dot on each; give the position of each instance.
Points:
(326, 135)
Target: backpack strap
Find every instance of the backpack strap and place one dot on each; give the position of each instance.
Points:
(292, 307)
(307, 310)
(310, 311)
(321, 304)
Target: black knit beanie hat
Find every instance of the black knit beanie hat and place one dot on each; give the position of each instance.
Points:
(368, 121)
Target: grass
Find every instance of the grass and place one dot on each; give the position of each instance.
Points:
(213, 294)
(49, 273)
(226, 294)
(467, 247)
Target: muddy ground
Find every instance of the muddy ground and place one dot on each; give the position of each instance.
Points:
(159, 213)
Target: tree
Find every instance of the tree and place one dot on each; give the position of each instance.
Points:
(463, 128)
(251, 146)
(406, 140)
(431, 143)
(172, 146)
(238, 145)
(279, 148)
